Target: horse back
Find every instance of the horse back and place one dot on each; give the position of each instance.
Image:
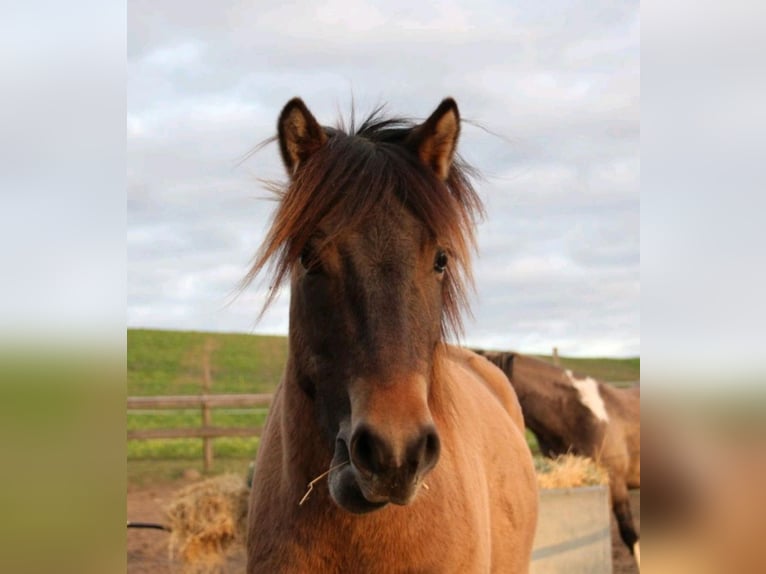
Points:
(493, 378)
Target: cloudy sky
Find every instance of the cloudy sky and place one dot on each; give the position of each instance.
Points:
(556, 84)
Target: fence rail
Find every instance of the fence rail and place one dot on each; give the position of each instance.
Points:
(206, 403)
(198, 432)
(197, 401)
(206, 432)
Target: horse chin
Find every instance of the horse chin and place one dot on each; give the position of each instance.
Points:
(347, 494)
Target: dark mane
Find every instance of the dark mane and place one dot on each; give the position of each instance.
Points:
(353, 174)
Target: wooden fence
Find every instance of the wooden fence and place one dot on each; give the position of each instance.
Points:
(206, 432)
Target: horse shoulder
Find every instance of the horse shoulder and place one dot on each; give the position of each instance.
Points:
(484, 394)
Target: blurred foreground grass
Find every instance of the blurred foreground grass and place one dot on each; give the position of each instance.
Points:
(63, 482)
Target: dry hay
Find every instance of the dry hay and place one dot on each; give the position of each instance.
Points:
(205, 520)
(569, 471)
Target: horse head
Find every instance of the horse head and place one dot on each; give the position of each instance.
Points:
(373, 232)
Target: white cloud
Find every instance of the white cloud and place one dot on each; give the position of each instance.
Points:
(184, 56)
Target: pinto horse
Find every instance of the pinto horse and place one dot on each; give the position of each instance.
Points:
(421, 442)
(583, 416)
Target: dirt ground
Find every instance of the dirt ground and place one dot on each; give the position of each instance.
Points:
(622, 559)
(148, 549)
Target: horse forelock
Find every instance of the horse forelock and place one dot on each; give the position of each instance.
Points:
(353, 175)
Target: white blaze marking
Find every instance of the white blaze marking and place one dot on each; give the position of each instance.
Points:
(589, 395)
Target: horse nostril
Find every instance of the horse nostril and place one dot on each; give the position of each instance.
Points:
(433, 447)
(372, 456)
(424, 452)
(366, 451)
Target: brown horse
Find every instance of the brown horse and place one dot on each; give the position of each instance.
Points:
(583, 416)
(422, 442)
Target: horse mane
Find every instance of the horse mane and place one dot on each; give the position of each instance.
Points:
(355, 172)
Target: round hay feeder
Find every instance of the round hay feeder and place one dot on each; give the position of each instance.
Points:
(573, 532)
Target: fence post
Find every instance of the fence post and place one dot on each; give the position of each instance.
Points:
(556, 356)
(207, 442)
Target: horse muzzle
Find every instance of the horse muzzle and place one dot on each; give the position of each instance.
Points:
(378, 472)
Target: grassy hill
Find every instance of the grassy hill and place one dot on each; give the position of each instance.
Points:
(614, 371)
(172, 362)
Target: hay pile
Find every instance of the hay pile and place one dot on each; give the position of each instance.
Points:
(205, 520)
(569, 471)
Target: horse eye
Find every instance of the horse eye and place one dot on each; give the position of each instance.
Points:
(440, 263)
(310, 261)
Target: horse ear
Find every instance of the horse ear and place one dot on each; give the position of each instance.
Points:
(435, 140)
(300, 135)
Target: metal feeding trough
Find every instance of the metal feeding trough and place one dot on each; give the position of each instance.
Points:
(573, 532)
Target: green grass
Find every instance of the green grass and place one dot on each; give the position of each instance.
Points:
(532, 442)
(171, 362)
(189, 448)
(607, 370)
(232, 447)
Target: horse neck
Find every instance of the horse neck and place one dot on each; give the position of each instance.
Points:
(306, 453)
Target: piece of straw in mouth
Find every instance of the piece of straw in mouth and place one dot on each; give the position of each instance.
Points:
(325, 473)
(317, 479)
